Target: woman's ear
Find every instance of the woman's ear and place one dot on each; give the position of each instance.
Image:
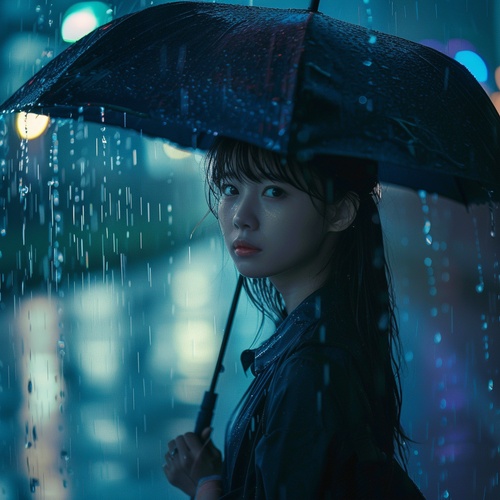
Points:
(342, 213)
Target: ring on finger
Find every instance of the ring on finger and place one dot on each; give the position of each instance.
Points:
(173, 452)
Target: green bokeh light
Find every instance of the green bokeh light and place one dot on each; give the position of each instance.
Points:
(84, 17)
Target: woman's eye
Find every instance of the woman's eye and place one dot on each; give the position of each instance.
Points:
(228, 190)
(274, 192)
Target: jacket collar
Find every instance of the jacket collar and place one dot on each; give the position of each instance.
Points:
(290, 330)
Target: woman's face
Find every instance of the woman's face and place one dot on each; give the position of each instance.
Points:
(273, 229)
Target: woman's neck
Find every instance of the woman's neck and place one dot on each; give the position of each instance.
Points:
(296, 285)
(295, 293)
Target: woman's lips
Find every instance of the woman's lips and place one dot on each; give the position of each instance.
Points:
(244, 249)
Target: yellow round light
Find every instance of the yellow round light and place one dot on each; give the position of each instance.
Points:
(175, 153)
(30, 125)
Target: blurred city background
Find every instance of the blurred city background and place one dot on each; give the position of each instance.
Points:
(114, 286)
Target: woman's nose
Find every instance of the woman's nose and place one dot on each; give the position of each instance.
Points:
(245, 216)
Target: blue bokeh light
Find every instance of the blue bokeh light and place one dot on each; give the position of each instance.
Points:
(474, 63)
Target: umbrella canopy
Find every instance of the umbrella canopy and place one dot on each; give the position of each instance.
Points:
(292, 81)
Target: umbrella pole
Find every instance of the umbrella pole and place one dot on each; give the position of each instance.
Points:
(206, 412)
(314, 6)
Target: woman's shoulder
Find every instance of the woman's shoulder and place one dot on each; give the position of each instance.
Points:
(332, 365)
(330, 359)
(317, 354)
(331, 338)
(323, 384)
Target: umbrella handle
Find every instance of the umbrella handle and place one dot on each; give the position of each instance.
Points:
(206, 412)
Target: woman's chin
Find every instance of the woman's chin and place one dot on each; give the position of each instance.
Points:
(247, 272)
(251, 275)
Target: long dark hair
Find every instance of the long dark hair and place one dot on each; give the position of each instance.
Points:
(359, 265)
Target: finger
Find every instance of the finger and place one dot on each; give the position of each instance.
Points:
(171, 453)
(193, 442)
(171, 445)
(205, 434)
(208, 444)
(184, 449)
(168, 470)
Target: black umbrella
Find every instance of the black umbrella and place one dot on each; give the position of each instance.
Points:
(292, 81)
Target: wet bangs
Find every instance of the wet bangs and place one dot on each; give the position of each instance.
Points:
(232, 159)
(324, 178)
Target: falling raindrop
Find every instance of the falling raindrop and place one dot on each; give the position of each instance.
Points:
(484, 322)
(493, 210)
(369, 16)
(480, 285)
(326, 374)
(61, 346)
(61, 259)
(319, 401)
(34, 484)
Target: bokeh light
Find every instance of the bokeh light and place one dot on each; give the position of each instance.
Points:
(495, 97)
(30, 125)
(175, 153)
(474, 63)
(84, 17)
(115, 287)
(465, 53)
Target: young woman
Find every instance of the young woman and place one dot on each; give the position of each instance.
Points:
(321, 418)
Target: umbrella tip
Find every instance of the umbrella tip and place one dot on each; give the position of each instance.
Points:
(313, 7)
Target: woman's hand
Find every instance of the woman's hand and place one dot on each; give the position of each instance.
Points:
(190, 458)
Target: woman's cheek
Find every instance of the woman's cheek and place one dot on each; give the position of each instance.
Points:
(223, 215)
